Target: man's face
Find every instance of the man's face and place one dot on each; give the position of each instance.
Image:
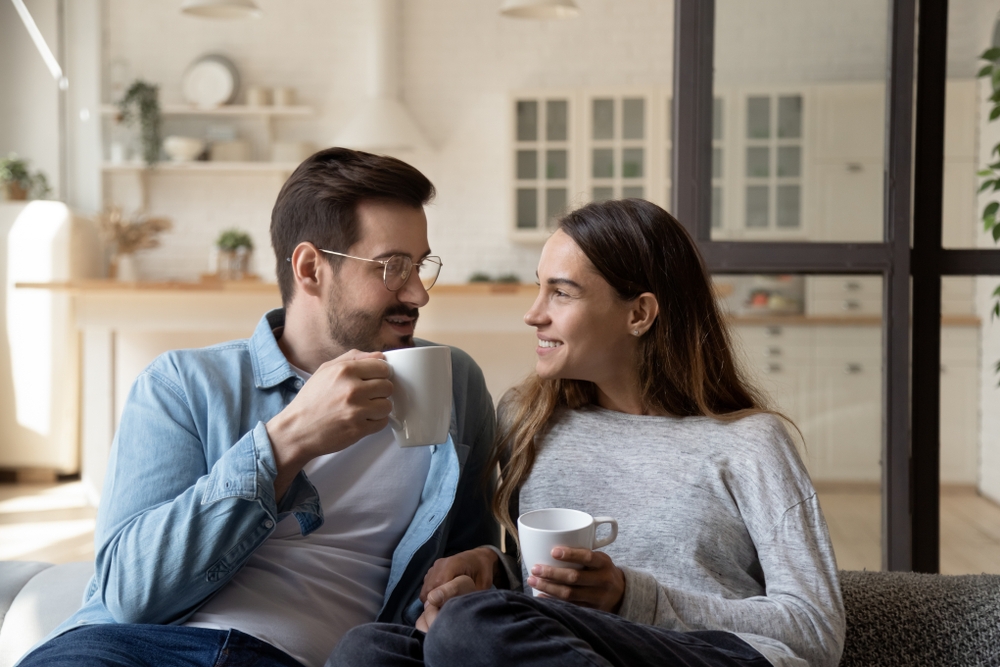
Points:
(362, 313)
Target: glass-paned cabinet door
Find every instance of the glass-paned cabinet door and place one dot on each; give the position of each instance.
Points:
(772, 169)
(618, 146)
(542, 161)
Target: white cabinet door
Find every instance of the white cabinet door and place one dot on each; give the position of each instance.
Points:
(847, 174)
(959, 405)
(845, 423)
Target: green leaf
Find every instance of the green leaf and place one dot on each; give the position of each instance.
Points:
(991, 210)
(996, 234)
(995, 165)
(995, 97)
(996, 185)
(996, 292)
(984, 172)
(991, 54)
(985, 71)
(996, 149)
(986, 185)
(995, 113)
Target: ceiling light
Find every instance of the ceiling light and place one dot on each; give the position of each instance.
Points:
(539, 9)
(222, 9)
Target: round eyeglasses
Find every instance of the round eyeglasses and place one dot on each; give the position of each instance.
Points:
(396, 270)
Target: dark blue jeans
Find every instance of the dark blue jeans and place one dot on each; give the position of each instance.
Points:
(128, 645)
(504, 628)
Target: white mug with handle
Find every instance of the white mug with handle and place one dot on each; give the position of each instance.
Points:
(421, 394)
(540, 531)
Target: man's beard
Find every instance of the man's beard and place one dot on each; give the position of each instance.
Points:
(359, 329)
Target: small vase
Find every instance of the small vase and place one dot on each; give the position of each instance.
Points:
(124, 269)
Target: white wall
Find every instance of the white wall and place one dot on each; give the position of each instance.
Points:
(989, 392)
(29, 96)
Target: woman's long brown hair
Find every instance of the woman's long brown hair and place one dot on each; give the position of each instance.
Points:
(686, 364)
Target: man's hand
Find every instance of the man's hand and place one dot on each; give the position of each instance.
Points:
(599, 585)
(345, 400)
(456, 575)
(478, 564)
(457, 586)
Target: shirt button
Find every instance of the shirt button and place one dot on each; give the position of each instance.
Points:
(298, 384)
(268, 524)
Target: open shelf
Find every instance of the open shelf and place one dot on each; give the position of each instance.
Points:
(224, 110)
(201, 166)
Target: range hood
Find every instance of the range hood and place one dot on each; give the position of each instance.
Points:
(383, 124)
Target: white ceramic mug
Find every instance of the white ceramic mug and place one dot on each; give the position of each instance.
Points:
(421, 394)
(540, 531)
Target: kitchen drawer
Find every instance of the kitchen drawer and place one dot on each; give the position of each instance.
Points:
(844, 295)
(762, 344)
(841, 345)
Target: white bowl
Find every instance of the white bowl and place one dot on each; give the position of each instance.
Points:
(183, 149)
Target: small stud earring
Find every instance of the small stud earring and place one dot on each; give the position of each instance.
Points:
(635, 332)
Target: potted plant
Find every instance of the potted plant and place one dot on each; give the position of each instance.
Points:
(18, 182)
(128, 236)
(235, 247)
(141, 103)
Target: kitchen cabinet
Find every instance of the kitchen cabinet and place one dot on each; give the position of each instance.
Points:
(844, 427)
(827, 378)
(960, 368)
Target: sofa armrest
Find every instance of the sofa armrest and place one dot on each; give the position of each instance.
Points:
(14, 574)
(46, 599)
(902, 618)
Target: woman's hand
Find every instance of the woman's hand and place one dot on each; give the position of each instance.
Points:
(599, 585)
(456, 575)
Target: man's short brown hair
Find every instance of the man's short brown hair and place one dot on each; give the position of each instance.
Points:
(319, 202)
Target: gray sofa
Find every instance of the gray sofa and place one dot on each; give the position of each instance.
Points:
(893, 618)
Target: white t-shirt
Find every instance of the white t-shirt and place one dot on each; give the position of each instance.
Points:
(302, 594)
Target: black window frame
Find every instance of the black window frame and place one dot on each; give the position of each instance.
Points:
(914, 175)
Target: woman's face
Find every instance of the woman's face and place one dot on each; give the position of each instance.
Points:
(583, 327)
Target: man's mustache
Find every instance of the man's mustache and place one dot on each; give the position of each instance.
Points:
(401, 310)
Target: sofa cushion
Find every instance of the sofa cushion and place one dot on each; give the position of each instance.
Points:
(45, 601)
(897, 618)
(15, 575)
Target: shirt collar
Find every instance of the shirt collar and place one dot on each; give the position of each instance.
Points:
(270, 367)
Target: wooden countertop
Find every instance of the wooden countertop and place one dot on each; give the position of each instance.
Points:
(473, 289)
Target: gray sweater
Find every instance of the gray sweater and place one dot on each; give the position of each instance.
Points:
(719, 525)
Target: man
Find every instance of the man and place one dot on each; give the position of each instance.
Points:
(256, 505)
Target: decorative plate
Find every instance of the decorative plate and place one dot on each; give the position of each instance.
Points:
(210, 82)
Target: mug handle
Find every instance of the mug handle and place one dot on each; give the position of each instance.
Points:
(605, 541)
(393, 419)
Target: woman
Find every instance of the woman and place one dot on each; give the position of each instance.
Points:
(637, 410)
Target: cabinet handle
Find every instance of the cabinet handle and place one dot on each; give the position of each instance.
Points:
(855, 167)
(772, 351)
(852, 304)
(852, 286)
(773, 368)
(853, 369)
(773, 331)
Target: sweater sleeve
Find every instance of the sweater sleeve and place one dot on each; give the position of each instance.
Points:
(801, 608)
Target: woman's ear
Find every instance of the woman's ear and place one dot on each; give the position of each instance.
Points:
(645, 308)
(306, 265)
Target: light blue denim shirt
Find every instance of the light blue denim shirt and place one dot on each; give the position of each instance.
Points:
(189, 493)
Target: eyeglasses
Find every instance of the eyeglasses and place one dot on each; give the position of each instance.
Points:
(396, 270)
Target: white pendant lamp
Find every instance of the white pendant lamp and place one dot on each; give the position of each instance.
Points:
(539, 9)
(383, 124)
(222, 9)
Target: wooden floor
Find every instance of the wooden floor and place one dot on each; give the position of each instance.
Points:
(53, 523)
